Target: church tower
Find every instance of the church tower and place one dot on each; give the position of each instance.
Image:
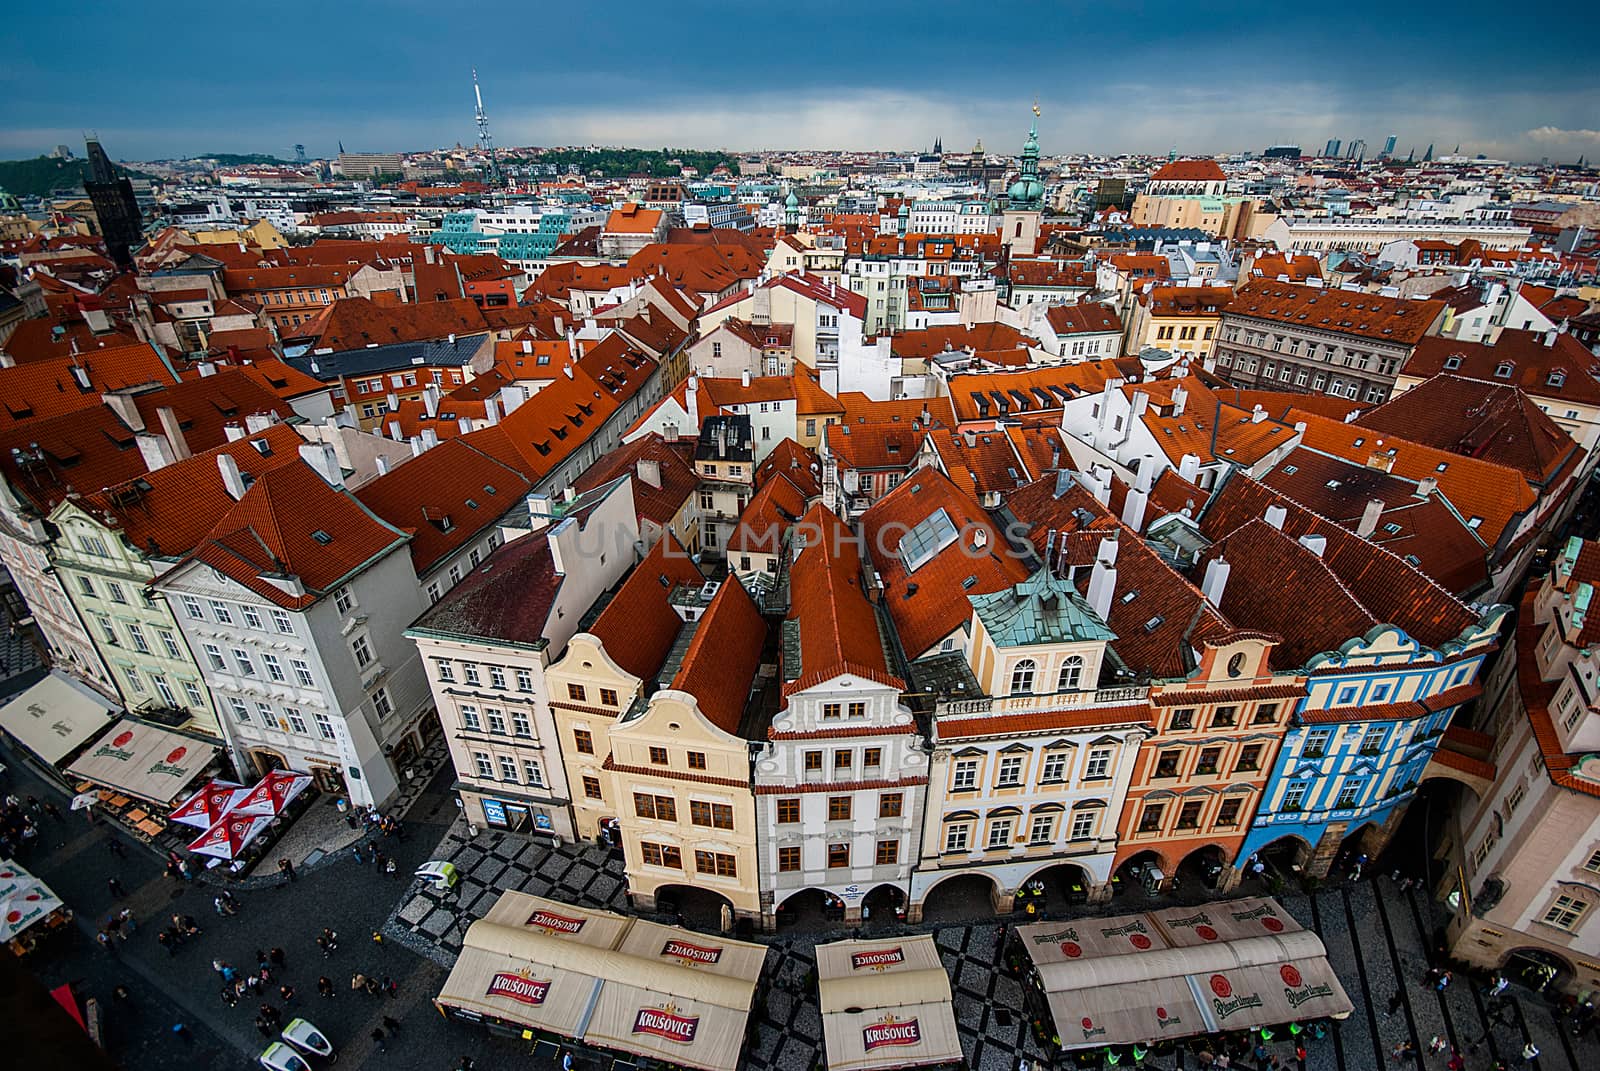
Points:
(1025, 199)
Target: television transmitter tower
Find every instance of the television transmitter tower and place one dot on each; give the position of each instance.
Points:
(486, 139)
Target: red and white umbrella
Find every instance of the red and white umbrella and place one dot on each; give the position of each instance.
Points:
(228, 837)
(204, 808)
(272, 793)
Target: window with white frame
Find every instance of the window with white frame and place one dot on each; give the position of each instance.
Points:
(1083, 824)
(163, 689)
(240, 712)
(281, 622)
(296, 722)
(1042, 829)
(169, 643)
(220, 611)
(1071, 674)
(136, 634)
(1099, 764)
(343, 599)
(214, 657)
(115, 593)
(1009, 772)
(956, 836)
(444, 671)
(469, 672)
(274, 667)
(380, 703)
(524, 680)
(362, 652)
(508, 768)
(1054, 768)
(497, 721)
(470, 719)
(999, 833)
(485, 768)
(302, 673)
(965, 774)
(265, 711)
(497, 677)
(107, 630)
(191, 607)
(533, 773)
(252, 616)
(324, 725)
(133, 679)
(1294, 796)
(192, 690)
(241, 658)
(520, 725)
(1022, 677)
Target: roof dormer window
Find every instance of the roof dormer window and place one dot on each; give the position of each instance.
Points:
(1555, 379)
(1452, 362)
(1503, 370)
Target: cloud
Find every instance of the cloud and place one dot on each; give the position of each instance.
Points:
(1554, 135)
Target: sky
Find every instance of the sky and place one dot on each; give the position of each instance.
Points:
(184, 78)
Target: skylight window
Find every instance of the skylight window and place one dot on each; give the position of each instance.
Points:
(322, 538)
(1474, 523)
(928, 538)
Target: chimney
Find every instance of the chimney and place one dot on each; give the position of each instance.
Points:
(511, 396)
(650, 471)
(491, 410)
(1427, 486)
(415, 442)
(232, 479)
(122, 405)
(692, 402)
(394, 431)
(572, 343)
(430, 438)
(1180, 399)
(427, 252)
(452, 338)
(206, 368)
(1141, 402)
(1216, 580)
(1103, 578)
(173, 430)
(391, 401)
(321, 456)
(430, 399)
(1316, 544)
(233, 430)
(744, 378)
(1276, 515)
(156, 451)
(1369, 518)
(381, 463)
(1133, 508)
(1189, 467)
(539, 510)
(561, 325)
(257, 422)
(1550, 337)
(1258, 414)
(969, 436)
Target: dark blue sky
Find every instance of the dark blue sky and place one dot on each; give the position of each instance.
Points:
(183, 77)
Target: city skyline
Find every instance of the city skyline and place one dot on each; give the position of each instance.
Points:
(1155, 82)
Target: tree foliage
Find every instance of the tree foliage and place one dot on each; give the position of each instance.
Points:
(39, 176)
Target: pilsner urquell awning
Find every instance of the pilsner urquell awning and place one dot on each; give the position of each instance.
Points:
(1181, 971)
(144, 761)
(886, 1004)
(607, 979)
(56, 715)
(24, 900)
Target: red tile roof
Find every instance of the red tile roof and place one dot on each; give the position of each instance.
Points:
(656, 504)
(637, 628)
(990, 463)
(1344, 312)
(52, 386)
(866, 447)
(984, 337)
(1298, 268)
(1532, 363)
(168, 511)
(1042, 721)
(767, 518)
(837, 624)
(273, 530)
(860, 409)
(929, 603)
(1186, 300)
(1084, 318)
(796, 463)
(1489, 421)
(722, 660)
(1189, 171)
(39, 339)
(353, 323)
(444, 499)
(1043, 390)
(508, 598)
(205, 407)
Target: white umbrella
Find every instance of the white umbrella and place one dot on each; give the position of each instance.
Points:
(85, 799)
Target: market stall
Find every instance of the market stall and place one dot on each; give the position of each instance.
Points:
(28, 909)
(886, 1004)
(1138, 979)
(608, 980)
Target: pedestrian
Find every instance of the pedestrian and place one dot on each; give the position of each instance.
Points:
(1395, 1001)
(388, 987)
(230, 996)
(263, 1026)
(467, 1064)
(106, 942)
(1436, 1045)
(1444, 981)
(114, 846)
(358, 856)
(1403, 1052)
(51, 810)
(276, 956)
(377, 940)
(566, 1061)
(1497, 986)
(358, 982)
(117, 891)
(183, 870)
(286, 991)
(391, 1024)
(183, 1033)
(1456, 1062)
(374, 987)
(380, 1038)
(271, 1014)
(324, 986)
(125, 917)
(390, 868)
(286, 868)
(164, 939)
(1530, 1053)
(222, 908)
(123, 994)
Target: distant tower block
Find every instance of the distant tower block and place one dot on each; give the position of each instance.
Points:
(299, 154)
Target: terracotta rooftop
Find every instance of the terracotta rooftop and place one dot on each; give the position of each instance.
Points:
(1345, 312)
(52, 386)
(1564, 370)
(1189, 171)
(723, 657)
(674, 465)
(638, 626)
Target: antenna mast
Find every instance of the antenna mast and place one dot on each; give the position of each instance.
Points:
(485, 139)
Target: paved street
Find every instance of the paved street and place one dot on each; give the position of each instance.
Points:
(1376, 939)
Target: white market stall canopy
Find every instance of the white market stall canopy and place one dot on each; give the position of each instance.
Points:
(1172, 973)
(55, 716)
(145, 761)
(24, 900)
(611, 980)
(886, 1004)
